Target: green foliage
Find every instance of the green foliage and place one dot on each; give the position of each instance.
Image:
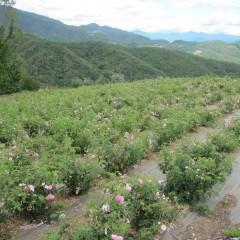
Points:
(30, 84)
(202, 210)
(225, 141)
(179, 64)
(12, 76)
(132, 208)
(62, 136)
(59, 233)
(234, 233)
(80, 175)
(218, 50)
(193, 169)
(86, 63)
(10, 71)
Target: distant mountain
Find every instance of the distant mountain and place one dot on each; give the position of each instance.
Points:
(62, 64)
(188, 36)
(57, 31)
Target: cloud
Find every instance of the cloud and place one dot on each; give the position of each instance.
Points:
(225, 22)
(215, 3)
(146, 15)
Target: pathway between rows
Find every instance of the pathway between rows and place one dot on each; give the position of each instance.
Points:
(150, 167)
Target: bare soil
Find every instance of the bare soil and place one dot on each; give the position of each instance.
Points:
(212, 227)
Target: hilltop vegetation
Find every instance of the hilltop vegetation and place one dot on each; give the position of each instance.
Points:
(85, 63)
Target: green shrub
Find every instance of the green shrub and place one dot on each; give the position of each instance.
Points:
(85, 233)
(225, 141)
(234, 233)
(32, 201)
(132, 208)
(202, 209)
(118, 158)
(193, 169)
(80, 175)
(30, 84)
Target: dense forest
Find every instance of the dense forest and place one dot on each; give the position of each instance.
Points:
(84, 63)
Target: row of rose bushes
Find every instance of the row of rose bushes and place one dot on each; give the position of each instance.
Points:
(194, 167)
(139, 209)
(132, 208)
(69, 137)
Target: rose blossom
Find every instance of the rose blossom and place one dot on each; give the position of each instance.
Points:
(31, 188)
(140, 181)
(106, 208)
(163, 228)
(50, 197)
(115, 237)
(48, 187)
(119, 198)
(128, 187)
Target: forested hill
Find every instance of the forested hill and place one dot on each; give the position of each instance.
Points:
(55, 30)
(68, 64)
(219, 50)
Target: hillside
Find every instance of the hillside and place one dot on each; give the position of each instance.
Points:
(175, 64)
(55, 30)
(218, 50)
(66, 64)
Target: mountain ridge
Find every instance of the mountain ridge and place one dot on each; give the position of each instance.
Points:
(190, 36)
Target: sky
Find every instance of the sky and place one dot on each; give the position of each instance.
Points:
(210, 16)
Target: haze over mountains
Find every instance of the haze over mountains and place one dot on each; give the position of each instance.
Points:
(189, 36)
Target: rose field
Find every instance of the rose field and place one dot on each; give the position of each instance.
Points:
(56, 143)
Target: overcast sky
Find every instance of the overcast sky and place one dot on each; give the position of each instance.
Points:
(211, 16)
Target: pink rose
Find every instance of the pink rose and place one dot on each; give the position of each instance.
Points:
(128, 187)
(119, 198)
(157, 195)
(48, 187)
(115, 237)
(50, 197)
(31, 188)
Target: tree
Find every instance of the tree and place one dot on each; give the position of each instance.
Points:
(10, 67)
(13, 77)
(7, 2)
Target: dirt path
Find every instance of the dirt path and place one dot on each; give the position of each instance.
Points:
(150, 167)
